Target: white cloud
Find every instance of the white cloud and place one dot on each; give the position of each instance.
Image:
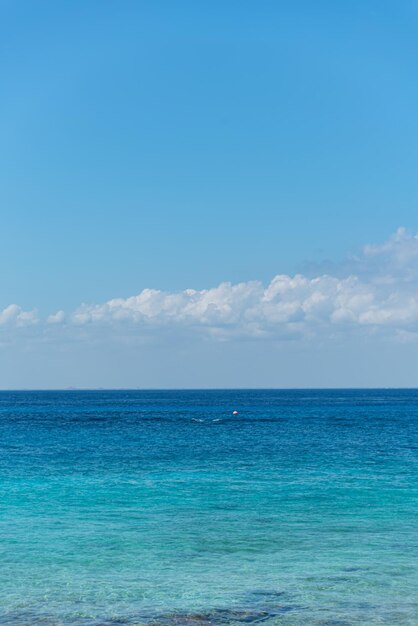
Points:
(56, 318)
(376, 291)
(287, 304)
(14, 315)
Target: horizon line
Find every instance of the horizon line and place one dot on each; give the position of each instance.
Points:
(308, 388)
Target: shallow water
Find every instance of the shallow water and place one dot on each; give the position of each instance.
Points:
(162, 508)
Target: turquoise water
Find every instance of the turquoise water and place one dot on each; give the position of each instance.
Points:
(164, 508)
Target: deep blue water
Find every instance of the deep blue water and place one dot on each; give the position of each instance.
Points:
(161, 507)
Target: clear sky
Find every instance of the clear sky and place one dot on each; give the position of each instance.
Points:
(180, 145)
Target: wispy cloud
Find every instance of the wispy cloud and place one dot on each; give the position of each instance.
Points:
(376, 291)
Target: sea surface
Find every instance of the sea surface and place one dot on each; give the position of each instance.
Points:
(163, 508)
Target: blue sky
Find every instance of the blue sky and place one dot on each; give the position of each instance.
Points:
(181, 145)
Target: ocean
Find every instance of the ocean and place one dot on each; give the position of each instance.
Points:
(163, 508)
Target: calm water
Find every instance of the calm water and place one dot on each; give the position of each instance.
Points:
(163, 508)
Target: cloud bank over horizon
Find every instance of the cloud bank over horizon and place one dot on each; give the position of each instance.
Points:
(353, 325)
(375, 291)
